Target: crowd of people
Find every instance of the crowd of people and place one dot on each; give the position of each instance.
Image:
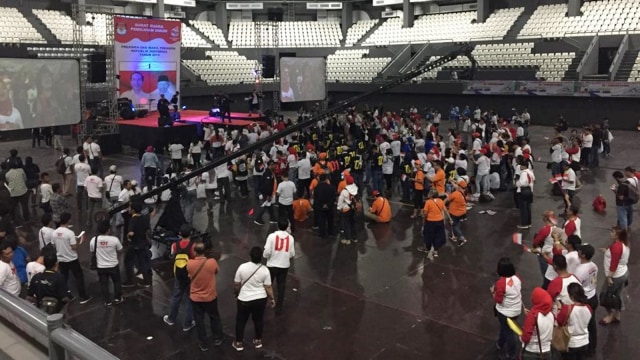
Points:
(326, 171)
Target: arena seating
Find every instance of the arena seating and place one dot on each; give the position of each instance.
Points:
(551, 66)
(598, 17)
(353, 66)
(61, 25)
(211, 31)
(358, 30)
(191, 39)
(634, 76)
(15, 28)
(224, 67)
(292, 34)
(450, 27)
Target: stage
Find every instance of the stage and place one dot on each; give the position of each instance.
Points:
(142, 132)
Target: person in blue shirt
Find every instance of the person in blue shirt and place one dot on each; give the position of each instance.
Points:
(20, 258)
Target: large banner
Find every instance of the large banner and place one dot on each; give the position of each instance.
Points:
(553, 88)
(147, 59)
(488, 87)
(544, 88)
(607, 89)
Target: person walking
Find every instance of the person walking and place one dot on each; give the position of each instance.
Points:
(433, 233)
(537, 330)
(279, 249)
(94, 187)
(524, 193)
(252, 284)
(616, 259)
(267, 192)
(182, 251)
(59, 204)
(457, 206)
(176, 155)
(149, 165)
(286, 191)
(418, 180)
(82, 171)
(624, 204)
(106, 249)
(16, 182)
(67, 177)
(138, 253)
(113, 184)
(94, 155)
(204, 297)
(507, 294)
(66, 244)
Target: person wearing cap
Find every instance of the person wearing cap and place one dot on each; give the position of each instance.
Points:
(267, 193)
(457, 205)
(323, 199)
(380, 210)
(149, 164)
(418, 180)
(113, 184)
(322, 165)
(182, 284)
(568, 184)
(164, 88)
(347, 209)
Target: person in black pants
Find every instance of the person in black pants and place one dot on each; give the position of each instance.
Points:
(267, 194)
(35, 137)
(138, 253)
(324, 197)
(70, 252)
(279, 249)
(252, 277)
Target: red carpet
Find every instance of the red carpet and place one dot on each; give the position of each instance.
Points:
(196, 116)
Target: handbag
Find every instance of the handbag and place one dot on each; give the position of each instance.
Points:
(609, 299)
(561, 336)
(94, 259)
(244, 282)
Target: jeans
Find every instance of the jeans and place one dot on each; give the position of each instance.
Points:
(255, 309)
(76, 270)
(279, 276)
(224, 185)
(433, 234)
(543, 265)
(482, 183)
(358, 178)
(455, 227)
(625, 215)
(376, 177)
(293, 174)
(141, 258)
(104, 274)
(150, 174)
(524, 204)
(92, 205)
(349, 224)
(188, 205)
(285, 213)
(176, 165)
(210, 308)
(81, 198)
(507, 336)
(261, 211)
(23, 200)
(181, 288)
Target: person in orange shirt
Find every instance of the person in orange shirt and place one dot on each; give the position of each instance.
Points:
(301, 209)
(418, 187)
(433, 234)
(458, 209)
(343, 183)
(380, 210)
(322, 165)
(313, 184)
(438, 180)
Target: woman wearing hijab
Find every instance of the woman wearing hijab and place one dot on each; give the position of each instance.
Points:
(508, 298)
(537, 330)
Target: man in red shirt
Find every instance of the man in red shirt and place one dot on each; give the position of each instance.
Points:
(202, 273)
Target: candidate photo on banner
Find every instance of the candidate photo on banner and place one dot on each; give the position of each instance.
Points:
(144, 88)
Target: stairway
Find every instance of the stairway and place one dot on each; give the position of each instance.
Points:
(39, 26)
(368, 33)
(571, 74)
(201, 34)
(517, 26)
(626, 65)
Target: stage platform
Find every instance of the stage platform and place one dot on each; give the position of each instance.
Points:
(142, 132)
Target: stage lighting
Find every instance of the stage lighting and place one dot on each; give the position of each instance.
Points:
(184, 107)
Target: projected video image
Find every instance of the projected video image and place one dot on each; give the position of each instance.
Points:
(39, 93)
(302, 79)
(144, 88)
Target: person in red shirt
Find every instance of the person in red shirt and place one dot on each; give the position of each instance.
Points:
(543, 239)
(576, 316)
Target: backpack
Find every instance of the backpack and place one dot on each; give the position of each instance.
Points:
(181, 260)
(633, 192)
(599, 204)
(61, 166)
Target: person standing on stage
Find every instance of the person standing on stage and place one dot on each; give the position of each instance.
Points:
(175, 100)
(163, 106)
(225, 107)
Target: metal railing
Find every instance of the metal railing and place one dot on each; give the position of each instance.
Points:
(50, 331)
(594, 43)
(617, 60)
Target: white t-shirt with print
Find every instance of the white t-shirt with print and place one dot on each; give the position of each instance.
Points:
(82, 170)
(46, 191)
(44, 236)
(63, 239)
(113, 185)
(107, 250)
(9, 281)
(93, 186)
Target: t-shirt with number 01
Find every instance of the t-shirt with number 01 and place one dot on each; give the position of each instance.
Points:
(253, 288)
(279, 249)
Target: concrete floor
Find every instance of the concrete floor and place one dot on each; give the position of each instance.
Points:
(378, 299)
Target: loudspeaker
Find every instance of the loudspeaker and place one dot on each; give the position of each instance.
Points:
(97, 68)
(142, 113)
(268, 66)
(127, 114)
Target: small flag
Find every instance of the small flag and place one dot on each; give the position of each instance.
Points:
(517, 238)
(526, 248)
(251, 212)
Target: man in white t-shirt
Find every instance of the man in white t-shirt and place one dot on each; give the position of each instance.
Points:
(279, 249)
(46, 231)
(46, 191)
(587, 274)
(113, 184)
(568, 184)
(106, 248)
(66, 244)
(252, 283)
(82, 170)
(286, 191)
(304, 174)
(93, 186)
(9, 281)
(176, 155)
(35, 267)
